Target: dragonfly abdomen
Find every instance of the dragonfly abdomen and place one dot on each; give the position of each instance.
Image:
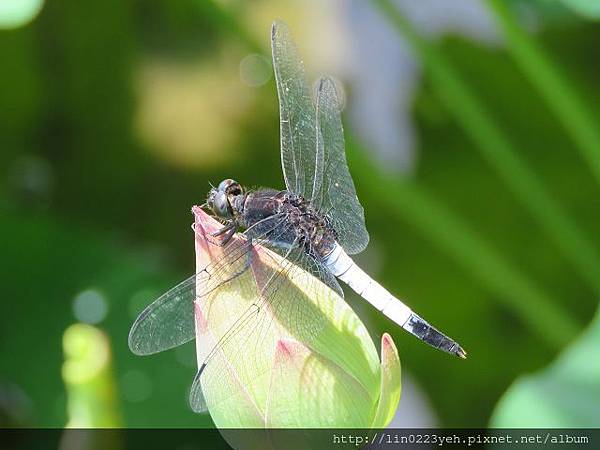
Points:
(343, 267)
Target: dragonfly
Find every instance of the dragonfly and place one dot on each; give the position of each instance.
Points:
(313, 226)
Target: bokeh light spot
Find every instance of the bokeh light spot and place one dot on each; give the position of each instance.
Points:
(186, 354)
(90, 306)
(255, 70)
(179, 128)
(16, 13)
(31, 181)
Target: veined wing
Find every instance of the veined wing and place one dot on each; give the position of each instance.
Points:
(241, 324)
(300, 258)
(169, 321)
(312, 144)
(336, 196)
(296, 115)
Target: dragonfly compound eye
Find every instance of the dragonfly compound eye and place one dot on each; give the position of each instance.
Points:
(220, 205)
(226, 184)
(218, 202)
(234, 189)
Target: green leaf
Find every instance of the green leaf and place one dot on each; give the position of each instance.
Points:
(586, 8)
(564, 395)
(391, 385)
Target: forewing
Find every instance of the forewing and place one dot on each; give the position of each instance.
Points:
(337, 196)
(314, 267)
(297, 116)
(169, 321)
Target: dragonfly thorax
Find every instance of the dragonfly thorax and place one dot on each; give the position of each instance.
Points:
(299, 223)
(312, 228)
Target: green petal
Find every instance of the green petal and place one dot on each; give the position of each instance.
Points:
(308, 390)
(391, 385)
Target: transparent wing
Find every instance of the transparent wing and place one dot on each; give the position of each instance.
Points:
(315, 268)
(336, 196)
(169, 321)
(273, 301)
(305, 262)
(296, 115)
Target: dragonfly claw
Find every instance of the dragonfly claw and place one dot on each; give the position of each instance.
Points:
(460, 352)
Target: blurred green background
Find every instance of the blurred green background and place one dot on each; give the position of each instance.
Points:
(116, 115)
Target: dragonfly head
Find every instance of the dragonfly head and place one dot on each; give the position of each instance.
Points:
(223, 200)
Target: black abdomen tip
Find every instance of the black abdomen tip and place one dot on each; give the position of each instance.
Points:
(430, 335)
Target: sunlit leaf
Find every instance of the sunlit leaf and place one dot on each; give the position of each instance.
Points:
(564, 395)
(586, 8)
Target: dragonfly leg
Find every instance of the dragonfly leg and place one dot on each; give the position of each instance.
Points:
(227, 232)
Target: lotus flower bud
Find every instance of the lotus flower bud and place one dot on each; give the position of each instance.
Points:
(298, 359)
